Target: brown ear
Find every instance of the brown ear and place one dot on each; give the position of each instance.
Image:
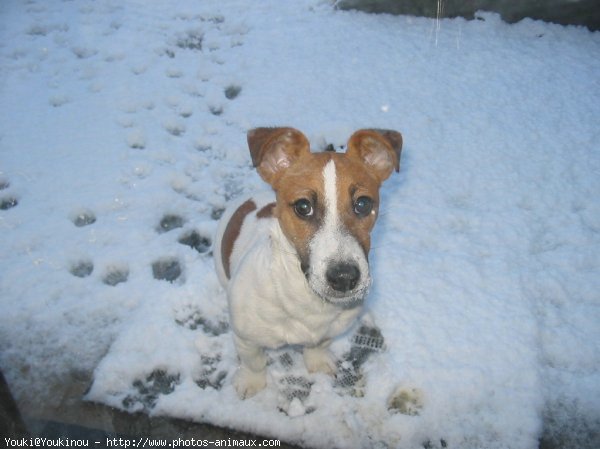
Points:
(274, 149)
(379, 149)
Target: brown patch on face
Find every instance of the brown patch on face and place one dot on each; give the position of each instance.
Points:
(305, 181)
(354, 182)
(232, 232)
(302, 181)
(267, 211)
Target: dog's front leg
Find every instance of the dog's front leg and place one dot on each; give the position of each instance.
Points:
(251, 376)
(319, 358)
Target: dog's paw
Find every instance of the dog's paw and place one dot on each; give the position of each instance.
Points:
(319, 360)
(247, 383)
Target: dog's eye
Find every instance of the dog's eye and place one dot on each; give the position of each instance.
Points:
(363, 206)
(303, 208)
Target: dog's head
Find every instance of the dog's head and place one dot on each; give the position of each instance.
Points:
(327, 203)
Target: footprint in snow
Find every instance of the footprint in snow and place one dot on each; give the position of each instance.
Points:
(167, 269)
(216, 110)
(216, 213)
(196, 241)
(136, 140)
(148, 390)
(232, 91)
(202, 147)
(8, 202)
(349, 379)
(406, 401)
(83, 217)
(194, 319)
(185, 112)
(294, 389)
(169, 222)
(429, 445)
(211, 372)
(116, 275)
(82, 268)
(191, 40)
(174, 127)
(210, 375)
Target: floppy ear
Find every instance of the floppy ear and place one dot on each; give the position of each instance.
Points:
(379, 149)
(273, 150)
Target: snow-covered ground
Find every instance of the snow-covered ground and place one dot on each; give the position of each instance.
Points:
(122, 137)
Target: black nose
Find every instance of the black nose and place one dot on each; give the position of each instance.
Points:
(342, 277)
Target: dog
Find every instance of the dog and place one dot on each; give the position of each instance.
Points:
(294, 260)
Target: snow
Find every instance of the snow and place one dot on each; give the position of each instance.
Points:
(123, 132)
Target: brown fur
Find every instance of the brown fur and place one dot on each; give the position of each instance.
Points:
(232, 231)
(266, 211)
(274, 149)
(379, 149)
(300, 181)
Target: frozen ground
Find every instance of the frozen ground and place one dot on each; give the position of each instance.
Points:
(122, 137)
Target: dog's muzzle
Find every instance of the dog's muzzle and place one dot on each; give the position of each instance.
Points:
(342, 285)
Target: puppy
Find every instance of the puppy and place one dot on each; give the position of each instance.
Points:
(294, 262)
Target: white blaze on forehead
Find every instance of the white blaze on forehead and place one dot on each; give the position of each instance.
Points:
(330, 184)
(325, 244)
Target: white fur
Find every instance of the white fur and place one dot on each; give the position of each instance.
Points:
(330, 183)
(271, 304)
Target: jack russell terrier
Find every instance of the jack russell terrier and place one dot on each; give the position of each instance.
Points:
(295, 263)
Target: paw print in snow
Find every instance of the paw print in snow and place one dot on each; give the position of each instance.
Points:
(196, 241)
(82, 268)
(169, 222)
(167, 269)
(83, 218)
(157, 383)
